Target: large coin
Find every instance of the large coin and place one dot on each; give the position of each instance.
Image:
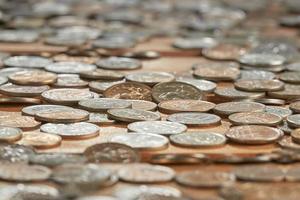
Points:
(70, 81)
(101, 74)
(40, 140)
(69, 67)
(150, 78)
(32, 77)
(195, 118)
(27, 61)
(255, 118)
(175, 90)
(202, 85)
(62, 116)
(254, 134)
(157, 127)
(262, 60)
(254, 85)
(55, 159)
(101, 86)
(294, 120)
(10, 134)
(33, 110)
(22, 91)
(223, 52)
(132, 115)
(118, 63)
(229, 108)
(174, 106)
(103, 104)
(234, 94)
(290, 91)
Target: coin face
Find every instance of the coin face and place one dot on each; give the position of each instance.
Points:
(232, 93)
(103, 104)
(69, 67)
(195, 119)
(253, 134)
(229, 108)
(293, 120)
(16, 120)
(257, 74)
(62, 116)
(142, 105)
(100, 119)
(78, 130)
(224, 52)
(70, 81)
(145, 173)
(27, 61)
(175, 90)
(278, 110)
(102, 75)
(10, 134)
(33, 77)
(132, 115)
(55, 159)
(111, 153)
(290, 91)
(175, 106)
(262, 60)
(202, 85)
(100, 87)
(32, 110)
(22, 90)
(150, 78)
(157, 127)
(118, 63)
(255, 118)
(128, 90)
(259, 85)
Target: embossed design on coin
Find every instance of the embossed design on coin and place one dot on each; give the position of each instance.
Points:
(100, 87)
(202, 85)
(255, 118)
(174, 106)
(229, 108)
(195, 118)
(132, 115)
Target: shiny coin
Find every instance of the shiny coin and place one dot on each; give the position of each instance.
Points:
(118, 63)
(290, 91)
(262, 60)
(278, 110)
(142, 141)
(9, 134)
(259, 85)
(146, 173)
(295, 134)
(142, 105)
(229, 108)
(290, 77)
(268, 101)
(257, 74)
(27, 61)
(129, 90)
(253, 134)
(62, 116)
(223, 52)
(111, 153)
(157, 127)
(132, 115)
(294, 120)
(150, 78)
(102, 75)
(255, 118)
(32, 77)
(15, 153)
(174, 106)
(16, 120)
(55, 159)
(195, 43)
(198, 139)
(19, 100)
(70, 81)
(293, 67)
(101, 86)
(295, 106)
(288, 143)
(22, 91)
(103, 104)
(175, 90)
(3, 80)
(79, 130)
(100, 119)
(32, 110)
(69, 67)
(195, 119)
(232, 93)
(202, 85)
(205, 179)
(21, 36)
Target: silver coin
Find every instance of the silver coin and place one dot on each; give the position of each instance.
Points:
(70, 67)
(62, 40)
(5, 72)
(195, 43)
(100, 87)
(195, 118)
(10, 134)
(232, 93)
(262, 60)
(15, 153)
(22, 36)
(100, 119)
(150, 78)
(294, 67)
(202, 85)
(157, 127)
(117, 63)
(229, 108)
(70, 81)
(257, 74)
(3, 79)
(55, 159)
(33, 110)
(113, 43)
(22, 90)
(27, 61)
(294, 120)
(84, 32)
(142, 104)
(132, 115)
(103, 104)
(278, 110)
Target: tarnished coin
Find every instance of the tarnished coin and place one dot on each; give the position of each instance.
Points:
(129, 90)
(295, 106)
(205, 179)
(62, 116)
(69, 67)
(15, 153)
(132, 115)
(198, 139)
(278, 110)
(142, 105)
(157, 127)
(101, 86)
(78, 130)
(262, 60)
(259, 173)
(294, 120)
(290, 77)
(175, 90)
(40, 140)
(195, 119)
(10, 134)
(22, 90)
(175, 106)
(256, 74)
(202, 85)
(290, 91)
(295, 135)
(150, 78)
(194, 43)
(288, 143)
(16, 120)
(142, 141)
(146, 173)
(118, 63)
(102, 75)
(27, 61)
(55, 159)
(32, 77)
(32, 110)
(111, 153)
(229, 108)
(253, 134)
(223, 52)
(232, 93)
(255, 85)
(65, 96)
(70, 81)
(100, 119)
(103, 104)
(255, 118)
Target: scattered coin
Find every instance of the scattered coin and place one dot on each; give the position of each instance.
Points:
(16, 120)
(142, 105)
(118, 63)
(132, 115)
(254, 85)
(294, 120)
(255, 118)
(10, 134)
(15, 153)
(70, 81)
(69, 67)
(62, 116)
(103, 104)
(32, 77)
(195, 119)
(150, 78)
(22, 90)
(157, 127)
(102, 75)
(33, 110)
(202, 85)
(27, 61)
(229, 108)
(288, 143)
(100, 119)
(234, 94)
(262, 60)
(295, 106)
(278, 110)
(290, 91)
(223, 52)
(101, 86)
(55, 159)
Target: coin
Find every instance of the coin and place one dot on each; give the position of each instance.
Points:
(254, 85)
(142, 141)
(232, 93)
(285, 127)
(256, 74)
(278, 110)
(295, 106)
(132, 115)
(128, 90)
(261, 60)
(295, 135)
(80, 130)
(32, 77)
(102, 75)
(142, 105)
(19, 100)
(62, 116)
(3, 80)
(10, 134)
(55, 159)
(293, 67)
(268, 101)
(32, 110)
(111, 153)
(22, 91)
(175, 90)
(288, 143)
(223, 52)
(27, 61)
(195, 119)
(150, 78)
(79, 32)
(15, 153)
(255, 118)
(174, 106)
(229, 108)
(145, 173)
(70, 81)
(100, 119)
(118, 63)
(194, 43)
(5, 72)
(22, 36)
(290, 91)
(290, 77)
(16, 120)
(202, 85)
(113, 43)
(103, 104)
(97, 198)
(157, 127)
(205, 179)
(294, 120)
(69, 67)
(101, 86)
(198, 139)
(253, 134)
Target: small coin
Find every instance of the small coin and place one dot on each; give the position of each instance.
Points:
(198, 139)
(142, 105)
(262, 60)
(27, 61)
(150, 78)
(259, 85)
(223, 52)
(278, 110)
(294, 120)
(202, 85)
(132, 115)
(22, 91)
(175, 90)
(32, 77)
(268, 101)
(255, 118)
(290, 91)
(288, 143)
(234, 94)
(111, 153)
(70, 81)
(62, 116)
(253, 134)
(118, 63)
(157, 127)
(129, 90)
(10, 134)
(145, 173)
(256, 74)
(100, 119)
(16, 120)
(55, 159)
(80, 130)
(32, 110)
(295, 135)
(101, 86)
(195, 119)
(229, 108)
(290, 77)
(205, 179)
(295, 106)
(175, 106)
(103, 104)
(70, 67)
(102, 75)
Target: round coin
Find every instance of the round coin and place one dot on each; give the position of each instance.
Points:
(175, 106)
(102, 75)
(132, 115)
(71, 67)
(22, 91)
(27, 61)
(294, 120)
(150, 78)
(290, 77)
(16, 120)
(118, 63)
(9, 134)
(290, 91)
(255, 118)
(70, 81)
(103, 104)
(202, 85)
(157, 127)
(229, 108)
(295, 135)
(62, 116)
(234, 94)
(32, 77)
(195, 119)
(278, 110)
(259, 85)
(262, 60)
(33, 110)
(295, 106)
(223, 52)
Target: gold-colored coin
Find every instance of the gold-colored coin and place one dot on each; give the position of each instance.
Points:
(33, 77)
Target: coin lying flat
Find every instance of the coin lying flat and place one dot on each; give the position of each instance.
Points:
(150, 78)
(101, 86)
(118, 63)
(229, 108)
(10, 134)
(62, 116)
(223, 52)
(194, 43)
(294, 120)
(69, 67)
(33, 77)
(19, 100)
(288, 143)
(142, 105)
(253, 134)
(111, 153)
(290, 77)
(55, 159)
(259, 85)
(295, 135)
(78, 130)
(27, 61)
(262, 60)
(255, 118)
(16, 120)
(22, 90)
(32, 110)
(100, 119)
(256, 74)
(175, 90)
(278, 110)
(132, 115)
(198, 139)
(70, 81)
(292, 174)
(195, 118)
(269, 101)
(202, 85)
(174, 106)
(295, 106)
(232, 93)
(102, 75)
(290, 91)
(157, 127)
(40, 140)
(103, 104)
(146, 173)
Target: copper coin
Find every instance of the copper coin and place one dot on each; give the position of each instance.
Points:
(294, 120)
(128, 90)
(10, 134)
(175, 90)
(290, 77)
(295, 106)
(118, 63)
(229, 108)
(255, 118)
(232, 93)
(195, 119)
(259, 85)
(22, 91)
(290, 91)
(150, 78)
(253, 134)
(62, 116)
(142, 105)
(223, 52)
(288, 143)
(278, 110)
(101, 86)
(70, 81)
(16, 120)
(33, 77)
(103, 104)
(102, 75)
(174, 106)
(69, 67)
(157, 127)
(132, 115)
